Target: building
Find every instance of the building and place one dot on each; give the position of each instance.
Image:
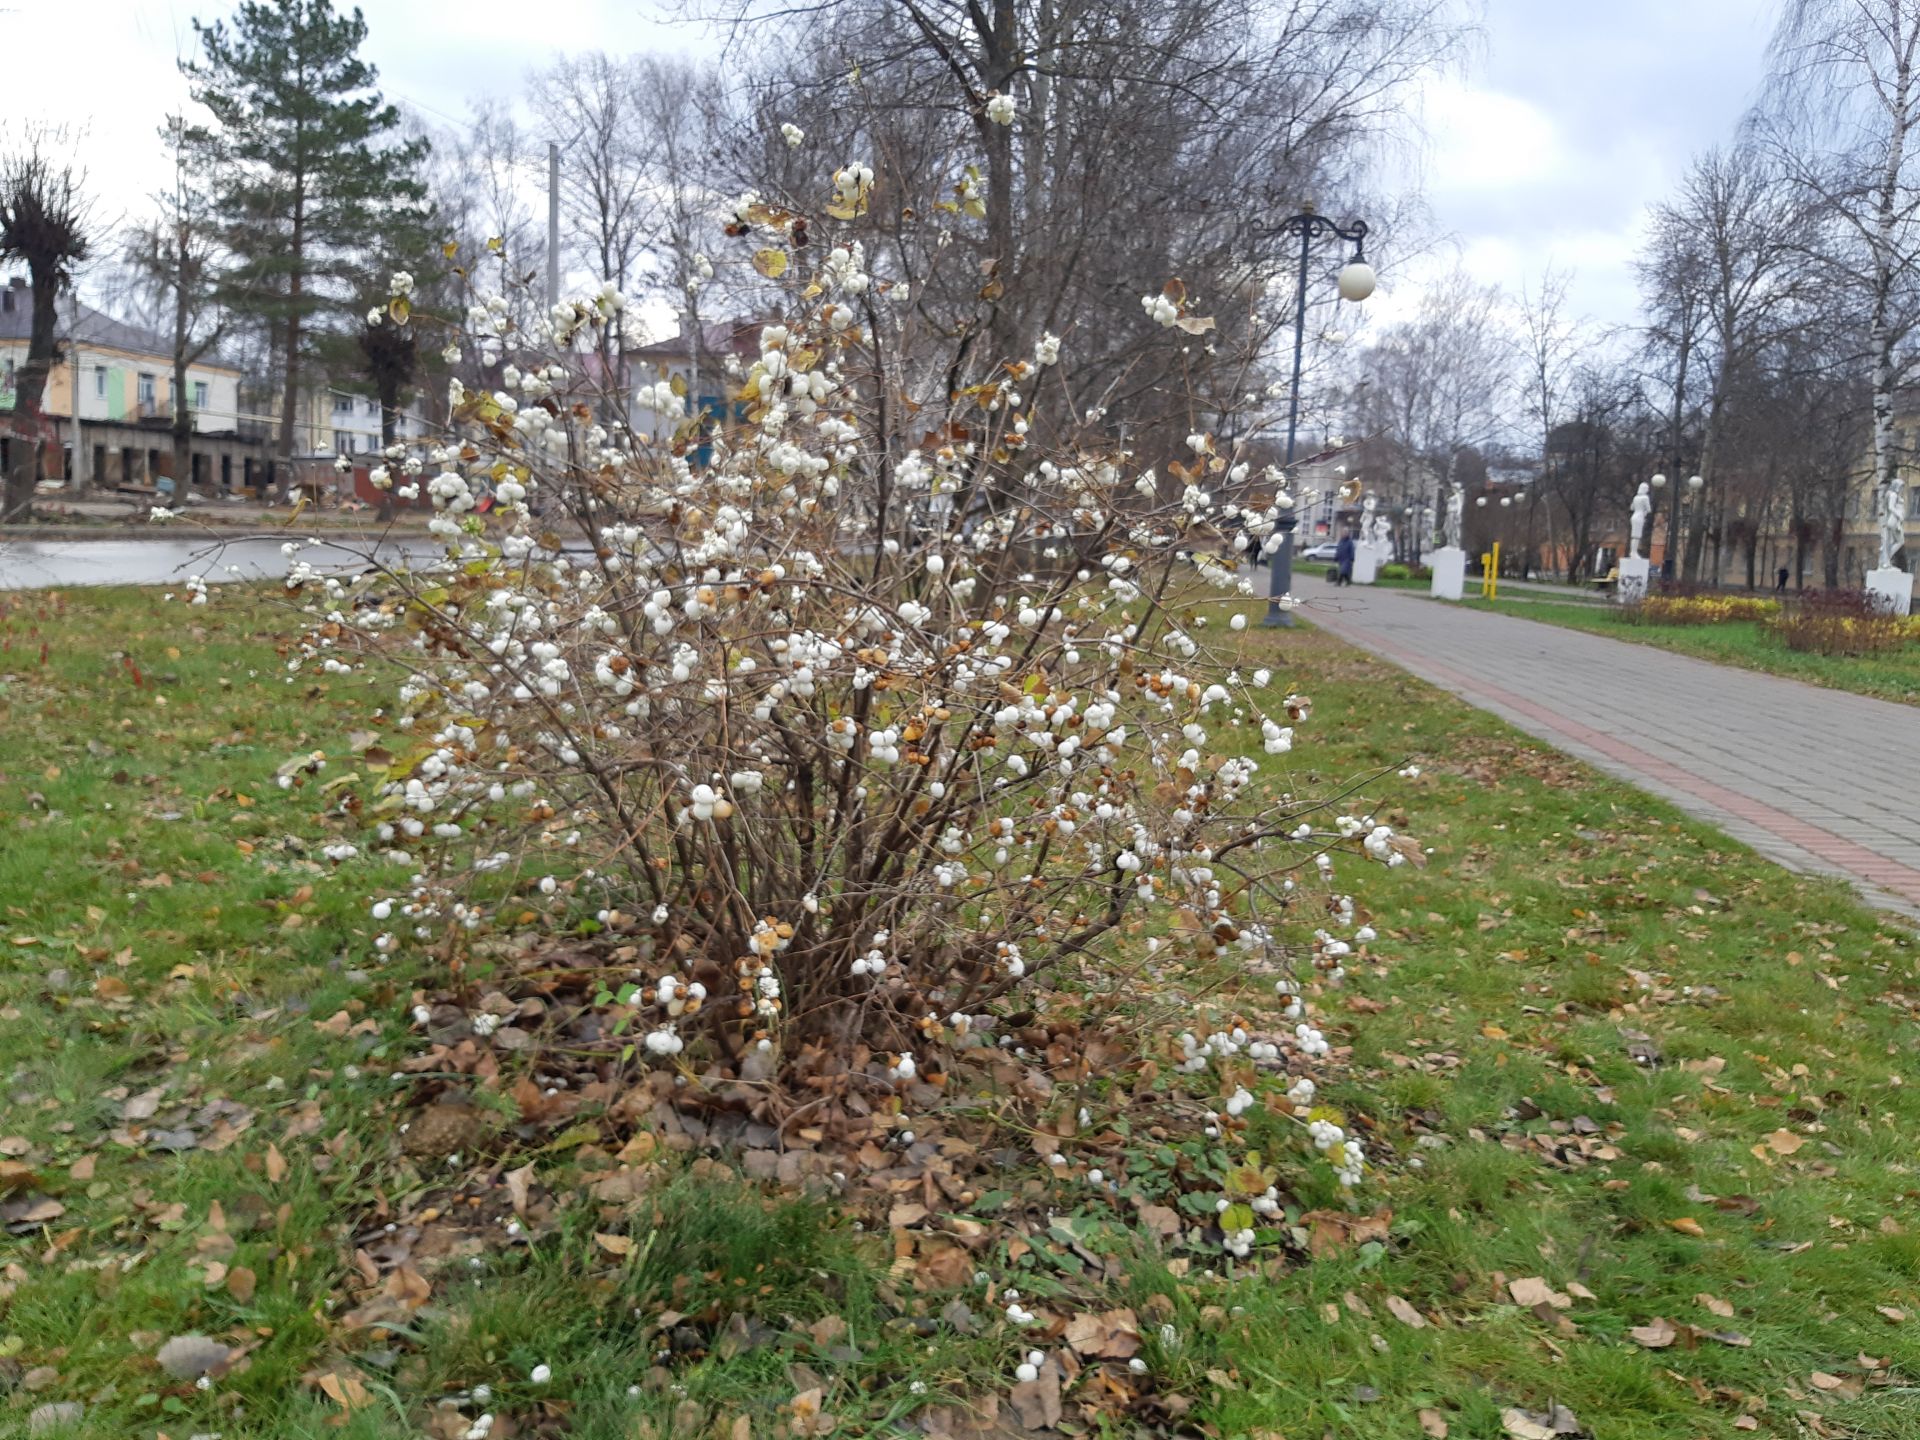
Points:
(126, 401)
(332, 421)
(678, 358)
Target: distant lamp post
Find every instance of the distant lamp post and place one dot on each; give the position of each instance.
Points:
(1481, 502)
(1692, 516)
(1355, 282)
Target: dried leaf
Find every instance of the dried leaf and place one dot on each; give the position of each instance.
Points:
(241, 1283)
(518, 1183)
(276, 1164)
(1433, 1424)
(1715, 1304)
(1405, 1313)
(770, 262)
(619, 1246)
(1037, 1402)
(1656, 1335)
(1784, 1142)
(345, 1390)
(1534, 1291)
(1687, 1225)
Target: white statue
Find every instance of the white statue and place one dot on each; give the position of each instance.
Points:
(1893, 520)
(1456, 506)
(1642, 507)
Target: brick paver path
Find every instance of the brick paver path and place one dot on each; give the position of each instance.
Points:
(1815, 779)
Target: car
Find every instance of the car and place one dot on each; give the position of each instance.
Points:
(1325, 550)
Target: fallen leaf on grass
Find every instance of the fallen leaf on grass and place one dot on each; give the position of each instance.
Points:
(619, 1246)
(1715, 1304)
(1114, 1335)
(1405, 1313)
(82, 1169)
(1687, 1225)
(1433, 1424)
(241, 1282)
(345, 1390)
(1892, 1313)
(1534, 1291)
(1037, 1402)
(518, 1184)
(276, 1164)
(1746, 1422)
(1530, 1425)
(1847, 1387)
(1784, 1142)
(1656, 1335)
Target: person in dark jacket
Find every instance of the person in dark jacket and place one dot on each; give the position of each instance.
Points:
(1343, 559)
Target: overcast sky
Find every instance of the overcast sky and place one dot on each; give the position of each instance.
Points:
(1573, 116)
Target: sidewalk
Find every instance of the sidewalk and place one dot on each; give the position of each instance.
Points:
(1818, 780)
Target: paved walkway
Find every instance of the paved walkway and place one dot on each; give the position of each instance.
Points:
(1816, 779)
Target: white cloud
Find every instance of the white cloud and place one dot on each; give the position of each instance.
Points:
(1485, 140)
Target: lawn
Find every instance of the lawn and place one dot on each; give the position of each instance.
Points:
(1745, 643)
(1636, 1099)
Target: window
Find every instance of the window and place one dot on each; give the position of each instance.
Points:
(146, 388)
(343, 442)
(199, 394)
(100, 381)
(373, 407)
(343, 404)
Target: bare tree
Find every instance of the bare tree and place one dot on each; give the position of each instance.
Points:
(173, 263)
(1735, 228)
(589, 105)
(1438, 386)
(1550, 351)
(1105, 147)
(1841, 115)
(45, 225)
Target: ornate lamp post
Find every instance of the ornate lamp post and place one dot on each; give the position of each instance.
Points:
(1356, 283)
(1658, 482)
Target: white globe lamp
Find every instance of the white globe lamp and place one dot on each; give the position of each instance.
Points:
(1694, 482)
(1658, 482)
(1356, 280)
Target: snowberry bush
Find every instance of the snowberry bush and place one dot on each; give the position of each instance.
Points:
(858, 722)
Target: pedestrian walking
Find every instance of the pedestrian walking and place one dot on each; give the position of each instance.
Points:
(1343, 560)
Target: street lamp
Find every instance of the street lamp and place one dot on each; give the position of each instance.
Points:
(1688, 513)
(1355, 282)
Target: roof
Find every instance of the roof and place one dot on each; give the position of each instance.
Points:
(95, 327)
(742, 337)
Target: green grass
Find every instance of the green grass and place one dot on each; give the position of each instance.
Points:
(203, 936)
(1745, 643)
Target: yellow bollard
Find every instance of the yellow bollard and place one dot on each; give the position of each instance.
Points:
(1493, 576)
(1486, 572)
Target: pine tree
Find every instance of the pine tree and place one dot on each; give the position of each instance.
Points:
(306, 161)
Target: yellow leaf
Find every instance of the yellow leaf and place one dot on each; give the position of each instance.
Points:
(399, 310)
(1686, 1225)
(1784, 1142)
(770, 262)
(620, 1246)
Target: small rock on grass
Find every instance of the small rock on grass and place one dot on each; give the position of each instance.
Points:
(52, 1419)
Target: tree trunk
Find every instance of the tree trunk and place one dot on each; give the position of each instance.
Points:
(182, 420)
(296, 291)
(389, 409)
(29, 398)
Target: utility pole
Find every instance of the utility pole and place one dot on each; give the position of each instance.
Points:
(553, 224)
(77, 465)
